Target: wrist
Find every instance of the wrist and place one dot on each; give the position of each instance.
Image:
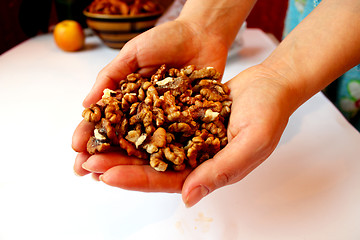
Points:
(287, 73)
(272, 86)
(221, 19)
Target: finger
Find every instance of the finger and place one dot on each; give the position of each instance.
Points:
(100, 163)
(96, 176)
(144, 178)
(79, 160)
(230, 165)
(149, 70)
(81, 135)
(122, 65)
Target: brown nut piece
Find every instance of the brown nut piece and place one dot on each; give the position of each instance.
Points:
(157, 140)
(113, 113)
(95, 145)
(131, 150)
(92, 114)
(157, 161)
(174, 154)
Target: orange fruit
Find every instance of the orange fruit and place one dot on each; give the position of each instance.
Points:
(69, 35)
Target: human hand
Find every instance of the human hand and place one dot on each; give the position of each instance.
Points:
(177, 43)
(259, 115)
(262, 105)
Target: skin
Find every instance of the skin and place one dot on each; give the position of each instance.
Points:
(264, 96)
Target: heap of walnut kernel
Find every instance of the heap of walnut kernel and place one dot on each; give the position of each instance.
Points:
(123, 7)
(176, 119)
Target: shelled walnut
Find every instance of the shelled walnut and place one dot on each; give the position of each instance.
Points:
(177, 118)
(123, 7)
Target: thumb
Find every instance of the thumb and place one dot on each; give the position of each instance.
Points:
(230, 165)
(122, 65)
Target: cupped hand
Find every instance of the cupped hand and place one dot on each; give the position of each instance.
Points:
(260, 113)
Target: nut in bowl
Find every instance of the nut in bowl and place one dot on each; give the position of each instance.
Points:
(118, 21)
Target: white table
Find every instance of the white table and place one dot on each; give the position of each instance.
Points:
(309, 188)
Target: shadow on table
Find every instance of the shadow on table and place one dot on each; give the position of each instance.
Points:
(91, 46)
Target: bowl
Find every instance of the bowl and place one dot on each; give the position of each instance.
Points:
(116, 30)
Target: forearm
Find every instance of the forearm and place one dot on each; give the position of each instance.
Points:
(320, 49)
(223, 18)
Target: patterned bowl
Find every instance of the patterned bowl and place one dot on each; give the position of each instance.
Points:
(116, 30)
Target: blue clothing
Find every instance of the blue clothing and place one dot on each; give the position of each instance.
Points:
(345, 91)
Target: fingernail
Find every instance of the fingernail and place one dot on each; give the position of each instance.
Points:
(196, 195)
(100, 177)
(85, 167)
(96, 177)
(76, 174)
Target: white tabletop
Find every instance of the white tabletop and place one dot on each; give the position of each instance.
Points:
(309, 188)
